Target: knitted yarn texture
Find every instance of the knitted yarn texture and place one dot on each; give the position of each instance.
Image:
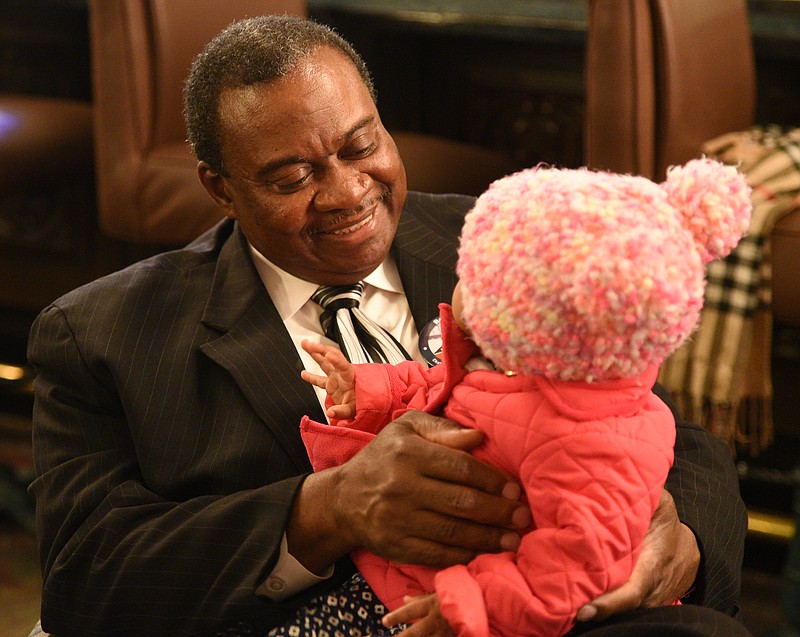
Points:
(586, 275)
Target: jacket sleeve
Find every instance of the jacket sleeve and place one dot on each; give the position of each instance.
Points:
(592, 496)
(705, 487)
(385, 391)
(116, 548)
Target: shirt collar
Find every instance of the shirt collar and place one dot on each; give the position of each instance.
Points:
(289, 293)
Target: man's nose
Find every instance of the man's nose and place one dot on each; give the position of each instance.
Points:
(343, 186)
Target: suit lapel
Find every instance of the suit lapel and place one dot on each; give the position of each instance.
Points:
(425, 250)
(256, 350)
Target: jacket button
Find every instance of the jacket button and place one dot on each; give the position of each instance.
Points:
(275, 584)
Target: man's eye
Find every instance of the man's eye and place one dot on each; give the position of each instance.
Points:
(357, 151)
(291, 181)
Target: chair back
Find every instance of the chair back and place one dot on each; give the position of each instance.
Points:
(148, 190)
(662, 77)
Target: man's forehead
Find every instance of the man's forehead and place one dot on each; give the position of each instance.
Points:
(325, 68)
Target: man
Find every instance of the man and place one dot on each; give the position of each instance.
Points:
(173, 490)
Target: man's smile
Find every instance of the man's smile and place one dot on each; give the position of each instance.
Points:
(353, 227)
(352, 221)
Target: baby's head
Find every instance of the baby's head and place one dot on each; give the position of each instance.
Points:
(583, 275)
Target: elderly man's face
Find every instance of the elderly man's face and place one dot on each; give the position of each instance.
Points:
(313, 178)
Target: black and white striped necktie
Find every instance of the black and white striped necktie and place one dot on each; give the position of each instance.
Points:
(360, 339)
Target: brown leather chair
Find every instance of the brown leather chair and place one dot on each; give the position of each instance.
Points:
(147, 185)
(48, 232)
(43, 136)
(46, 215)
(663, 77)
(435, 164)
(148, 190)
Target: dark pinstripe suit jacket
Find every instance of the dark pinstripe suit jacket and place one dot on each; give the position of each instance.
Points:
(167, 449)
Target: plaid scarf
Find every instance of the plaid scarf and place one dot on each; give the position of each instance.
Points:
(721, 377)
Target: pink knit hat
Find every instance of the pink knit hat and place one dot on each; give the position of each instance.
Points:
(583, 275)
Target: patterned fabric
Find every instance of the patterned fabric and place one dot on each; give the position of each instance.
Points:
(721, 377)
(352, 610)
(361, 339)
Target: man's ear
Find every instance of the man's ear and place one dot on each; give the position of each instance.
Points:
(217, 186)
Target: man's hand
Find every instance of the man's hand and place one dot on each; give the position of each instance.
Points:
(414, 494)
(664, 572)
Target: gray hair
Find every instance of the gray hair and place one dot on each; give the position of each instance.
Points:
(250, 51)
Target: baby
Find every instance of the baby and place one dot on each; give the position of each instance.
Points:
(574, 286)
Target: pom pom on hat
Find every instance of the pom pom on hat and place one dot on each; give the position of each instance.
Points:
(583, 275)
(715, 201)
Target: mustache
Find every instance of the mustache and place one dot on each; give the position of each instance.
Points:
(345, 215)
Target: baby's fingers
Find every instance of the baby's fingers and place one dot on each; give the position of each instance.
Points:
(321, 353)
(414, 608)
(313, 348)
(314, 379)
(342, 412)
(336, 357)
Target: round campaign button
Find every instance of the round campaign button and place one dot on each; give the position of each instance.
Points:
(430, 342)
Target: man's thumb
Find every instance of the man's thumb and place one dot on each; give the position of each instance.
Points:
(619, 600)
(443, 431)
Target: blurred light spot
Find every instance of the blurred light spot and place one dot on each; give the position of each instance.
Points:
(11, 372)
(8, 122)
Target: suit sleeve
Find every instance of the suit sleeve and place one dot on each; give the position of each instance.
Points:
(116, 556)
(705, 487)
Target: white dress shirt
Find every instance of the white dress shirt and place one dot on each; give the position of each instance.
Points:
(384, 301)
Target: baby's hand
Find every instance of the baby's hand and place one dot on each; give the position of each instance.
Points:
(424, 608)
(339, 380)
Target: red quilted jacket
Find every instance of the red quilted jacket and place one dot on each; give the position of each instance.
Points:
(591, 457)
